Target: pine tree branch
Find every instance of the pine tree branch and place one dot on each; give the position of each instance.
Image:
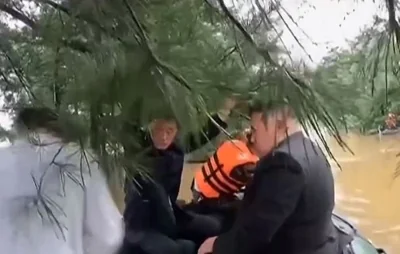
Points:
(77, 45)
(263, 52)
(291, 32)
(86, 19)
(18, 15)
(162, 65)
(20, 75)
(73, 44)
(310, 108)
(394, 25)
(267, 21)
(146, 43)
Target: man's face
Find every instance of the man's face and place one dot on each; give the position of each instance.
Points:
(163, 133)
(263, 134)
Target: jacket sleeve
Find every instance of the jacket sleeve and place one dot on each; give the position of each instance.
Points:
(277, 191)
(103, 224)
(196, 140)
(137, 206)
(148, 205)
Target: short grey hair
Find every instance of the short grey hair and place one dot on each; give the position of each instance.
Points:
(271, 107)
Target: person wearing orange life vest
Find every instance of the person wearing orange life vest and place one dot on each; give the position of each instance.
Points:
(391, 121)
(226, 172)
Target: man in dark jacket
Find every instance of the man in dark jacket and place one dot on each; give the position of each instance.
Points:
(287, 208)
(153, 220)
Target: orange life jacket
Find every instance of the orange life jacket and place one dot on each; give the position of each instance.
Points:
(216, 176)
(391, 121)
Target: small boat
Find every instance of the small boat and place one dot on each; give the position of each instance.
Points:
(383, 132)
(389, 131)
(360, 244)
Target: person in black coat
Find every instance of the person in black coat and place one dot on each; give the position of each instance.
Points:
(287, 208)
(154, 222)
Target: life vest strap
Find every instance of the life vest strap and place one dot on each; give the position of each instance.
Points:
(219, 185)
(224, 175)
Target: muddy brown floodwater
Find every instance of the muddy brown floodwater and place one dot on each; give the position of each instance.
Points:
(366, 192)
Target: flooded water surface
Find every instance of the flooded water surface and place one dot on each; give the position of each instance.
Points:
(366, 192)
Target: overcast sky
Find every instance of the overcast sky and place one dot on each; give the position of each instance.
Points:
(330, 24)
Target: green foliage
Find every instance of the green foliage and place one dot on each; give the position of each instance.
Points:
(361, 85)
(116, 62)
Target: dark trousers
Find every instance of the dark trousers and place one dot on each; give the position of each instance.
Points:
(193, 230)
(224, 213)
(152, 242)
(198, 228)
(156, 243)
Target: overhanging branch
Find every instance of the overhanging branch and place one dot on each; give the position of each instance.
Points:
(18, 15)
(393, 23)
(72, 44)
(67, 11)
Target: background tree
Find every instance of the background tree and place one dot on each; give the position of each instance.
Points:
(362, 83)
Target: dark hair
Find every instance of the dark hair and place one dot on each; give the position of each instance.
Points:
(259, 106)
(35, 118)
(169, 119)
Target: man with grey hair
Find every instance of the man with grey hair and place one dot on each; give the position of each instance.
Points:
(287, 208)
